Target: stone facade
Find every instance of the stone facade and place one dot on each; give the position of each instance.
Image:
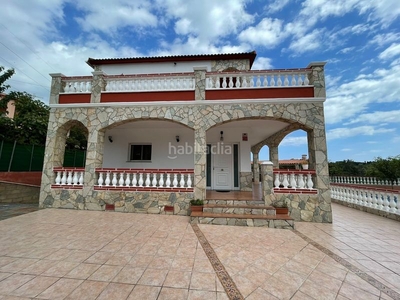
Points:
(137, 202)
(198, 115)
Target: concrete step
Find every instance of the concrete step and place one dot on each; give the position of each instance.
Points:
(234, 202)
(271, 221)
(239, 209)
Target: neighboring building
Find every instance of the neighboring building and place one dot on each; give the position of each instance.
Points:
(164, 130)
(10, 111)
(294, 164)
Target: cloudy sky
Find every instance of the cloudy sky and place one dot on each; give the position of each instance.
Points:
(359, 40)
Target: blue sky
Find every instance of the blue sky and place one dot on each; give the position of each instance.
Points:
(359, 40)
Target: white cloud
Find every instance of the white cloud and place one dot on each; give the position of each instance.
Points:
(208, 19)
(378, 117)
(276, 6)
(353, 98)
(346, 132)
(109, 16)
(346, 150)
(262, 63)
(294, 141)
(268, 33)
(390, 52)
(308, 42)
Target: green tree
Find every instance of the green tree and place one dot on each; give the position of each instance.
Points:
(29, 125)
(4, 76)
(385, 169)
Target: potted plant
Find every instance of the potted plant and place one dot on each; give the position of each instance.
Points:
(196, 205)
(281, 208)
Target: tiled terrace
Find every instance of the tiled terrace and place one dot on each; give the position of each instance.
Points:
(69, 254)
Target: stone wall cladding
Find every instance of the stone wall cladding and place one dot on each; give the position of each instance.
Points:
(18, 193)
(246, 181)
(239, 64)
(136, 202)
(199, 117)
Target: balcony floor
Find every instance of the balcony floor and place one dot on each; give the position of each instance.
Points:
(60, 253)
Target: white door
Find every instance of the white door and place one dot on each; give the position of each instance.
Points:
(222, 155)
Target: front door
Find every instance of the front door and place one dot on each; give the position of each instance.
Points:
(222, 155)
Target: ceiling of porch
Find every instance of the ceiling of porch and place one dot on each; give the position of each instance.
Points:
(257, 130)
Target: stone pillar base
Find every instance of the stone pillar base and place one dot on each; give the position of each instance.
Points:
(246, 181)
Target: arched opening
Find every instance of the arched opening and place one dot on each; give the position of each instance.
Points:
(293, 151)
(230, 145)
(76, 146)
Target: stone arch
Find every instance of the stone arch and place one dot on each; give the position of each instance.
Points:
(61, 138)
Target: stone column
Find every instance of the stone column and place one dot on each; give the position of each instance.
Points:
(56, 87)
(98, 85)
(256, 168)
(200, 83)
(274, 156)
(200, 158)
(267, 181)
(53, 157)
(317, 78)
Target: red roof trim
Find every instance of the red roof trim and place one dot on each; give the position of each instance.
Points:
(106, 61)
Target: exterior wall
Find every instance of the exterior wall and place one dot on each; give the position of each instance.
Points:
(30, 178)
(166, 152)
(154, 68)
(239, 64)
(138, 202)
(201, 117)
(18, 193)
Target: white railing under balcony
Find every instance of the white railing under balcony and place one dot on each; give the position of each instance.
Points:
(145, 179)
(77, 85)
(68, 177)
(362, 180)
(146, 83)
(257, 79)
(294, 179)
(380, 199)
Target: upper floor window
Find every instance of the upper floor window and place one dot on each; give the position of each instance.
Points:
(140, 152)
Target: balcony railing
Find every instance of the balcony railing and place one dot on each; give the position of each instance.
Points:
(186, 81)
(69, 178)
(294, 181)
(379, 199)
(147, 83)
(82, 84)
(257, 79)
(161, 180)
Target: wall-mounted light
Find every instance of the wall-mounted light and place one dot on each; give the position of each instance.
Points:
(110, 138)
(177, 138)
(222, 136)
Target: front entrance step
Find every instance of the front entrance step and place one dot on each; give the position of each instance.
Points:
(234, 202)
(239, 209)
(275, 221)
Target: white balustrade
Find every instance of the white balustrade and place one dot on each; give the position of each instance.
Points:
(363, 180)
(144, 179)
(257, 79)
(78, 86)
(150, 83)
(67, 176)
(383, 200)
(293, 180)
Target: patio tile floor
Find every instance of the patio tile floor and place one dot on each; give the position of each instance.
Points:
(69, 254)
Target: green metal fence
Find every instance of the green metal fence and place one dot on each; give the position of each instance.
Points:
(16, 157)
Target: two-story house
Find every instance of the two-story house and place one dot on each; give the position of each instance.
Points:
(164, 130)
